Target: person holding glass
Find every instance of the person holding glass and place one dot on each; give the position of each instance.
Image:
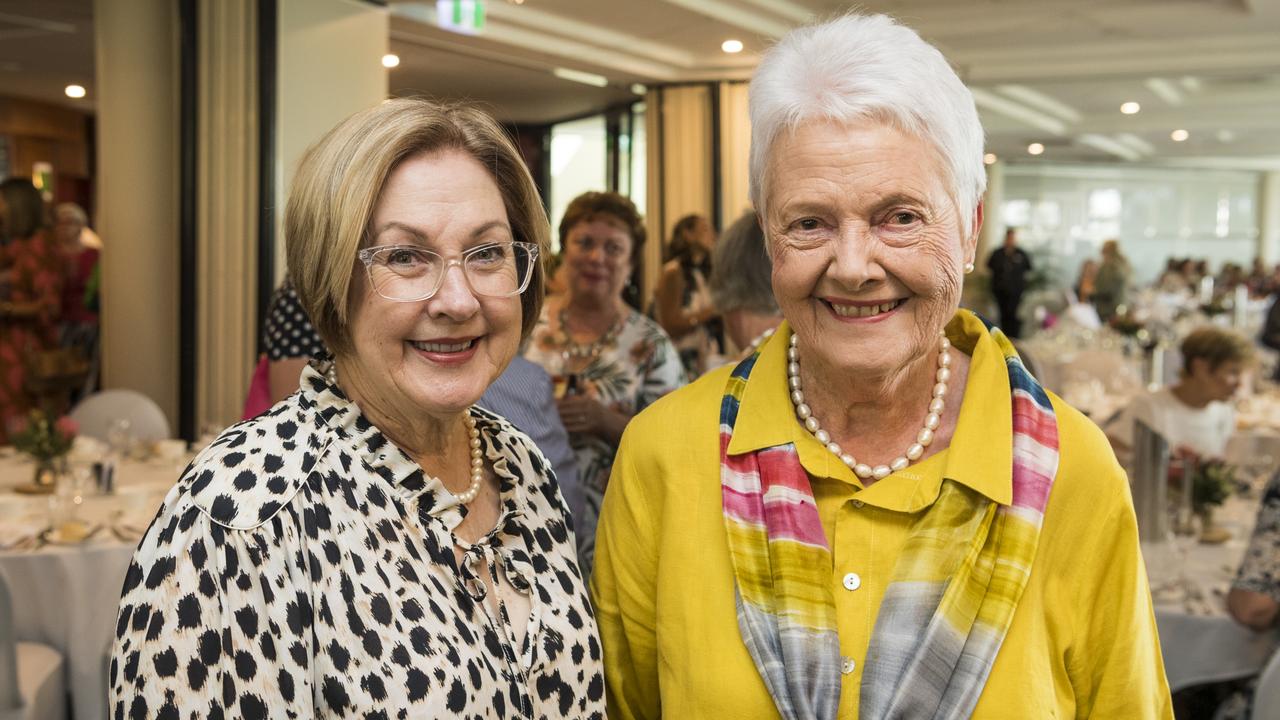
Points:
(375, 545)
(609, 361)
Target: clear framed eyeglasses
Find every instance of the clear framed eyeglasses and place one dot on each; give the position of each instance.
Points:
(409, 273)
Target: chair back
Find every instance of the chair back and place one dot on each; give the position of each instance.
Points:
(10, 697)
(1266, 699)
(95, 414)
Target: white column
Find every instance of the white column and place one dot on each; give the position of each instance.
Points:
(1269, 217)
(330, 66)
(137, 179)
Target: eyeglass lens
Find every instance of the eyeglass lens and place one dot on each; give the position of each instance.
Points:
(410, 273)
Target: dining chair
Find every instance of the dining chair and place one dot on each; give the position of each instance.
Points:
(1266, 698)
(96, 413)
(31, 674)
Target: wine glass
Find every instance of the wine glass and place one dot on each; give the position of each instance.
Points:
(120, 437)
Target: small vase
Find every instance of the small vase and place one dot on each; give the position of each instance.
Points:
(1211, 534)
(46, 475)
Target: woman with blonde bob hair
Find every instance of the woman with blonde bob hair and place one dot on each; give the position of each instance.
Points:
(375, 545)
(884, 515)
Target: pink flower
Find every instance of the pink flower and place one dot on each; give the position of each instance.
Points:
(67, 427)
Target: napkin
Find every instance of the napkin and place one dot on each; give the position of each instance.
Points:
(15, 535)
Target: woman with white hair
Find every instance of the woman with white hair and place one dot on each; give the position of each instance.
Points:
(883, 514)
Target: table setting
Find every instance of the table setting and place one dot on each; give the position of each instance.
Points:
(1195, 524)
(69, 524)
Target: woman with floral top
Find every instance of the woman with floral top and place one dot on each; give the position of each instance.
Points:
(609, 361)
(375, 546)
(32, 273)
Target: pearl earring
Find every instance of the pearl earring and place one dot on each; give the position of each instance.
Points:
(968, 268)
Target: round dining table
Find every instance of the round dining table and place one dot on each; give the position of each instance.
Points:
(66, 594)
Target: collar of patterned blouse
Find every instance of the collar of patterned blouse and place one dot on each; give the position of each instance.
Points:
(255, 468)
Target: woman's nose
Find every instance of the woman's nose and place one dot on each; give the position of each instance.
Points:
(855, 262)
(455, 298)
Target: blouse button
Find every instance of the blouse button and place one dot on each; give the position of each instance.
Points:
(847, 665)
(852, 581)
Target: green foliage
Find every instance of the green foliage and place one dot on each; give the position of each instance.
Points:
(1211, 484)
(43, 438)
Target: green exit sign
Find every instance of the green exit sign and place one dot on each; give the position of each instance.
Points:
(463, 16)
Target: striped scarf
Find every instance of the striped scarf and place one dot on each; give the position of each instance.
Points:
(952, 595)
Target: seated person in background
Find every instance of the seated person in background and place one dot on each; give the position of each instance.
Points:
(1255, 593)
(1195, 414)
(741, 285)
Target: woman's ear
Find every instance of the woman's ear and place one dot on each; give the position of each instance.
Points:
(971, 246)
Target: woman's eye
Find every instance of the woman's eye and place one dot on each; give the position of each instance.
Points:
(492, 254)
(403, 259)
(808, 224)
(903, 218)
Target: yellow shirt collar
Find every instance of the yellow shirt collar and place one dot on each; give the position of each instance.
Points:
(981, 449)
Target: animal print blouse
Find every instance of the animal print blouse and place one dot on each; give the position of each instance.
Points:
(304, 567)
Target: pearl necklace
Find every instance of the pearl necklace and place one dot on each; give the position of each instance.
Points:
(473, 439)
(759, 340)
(923, 439)
(477, 462)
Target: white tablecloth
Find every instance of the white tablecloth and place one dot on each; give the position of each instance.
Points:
(1199, 641)
(67, 596)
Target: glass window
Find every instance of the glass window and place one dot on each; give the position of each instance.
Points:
(638, 153)
(578, 151)
(1069, 211)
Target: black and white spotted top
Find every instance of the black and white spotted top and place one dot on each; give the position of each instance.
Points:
(304, 567)
(288, 332)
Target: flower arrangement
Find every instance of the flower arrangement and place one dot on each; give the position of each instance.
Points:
(1211, 483)
(42, 438)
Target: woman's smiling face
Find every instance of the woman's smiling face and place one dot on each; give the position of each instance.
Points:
(866, 243)
(434, 356)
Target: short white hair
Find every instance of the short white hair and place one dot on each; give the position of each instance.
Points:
(860, 67)
(70, 211)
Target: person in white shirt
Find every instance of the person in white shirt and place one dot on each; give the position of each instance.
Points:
(1194, 414)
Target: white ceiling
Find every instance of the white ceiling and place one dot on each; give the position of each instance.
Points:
(1047, 71)
(46, 45)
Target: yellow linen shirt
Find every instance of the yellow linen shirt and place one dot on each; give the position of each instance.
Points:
(1083, 639)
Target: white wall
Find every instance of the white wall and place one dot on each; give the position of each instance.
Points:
(329, 65)
(1067, 211)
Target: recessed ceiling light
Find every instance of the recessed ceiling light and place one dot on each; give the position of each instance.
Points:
(390, 60)
(1130, 108)
(639, 88)
(1035, 148)
(1226, 136)
(731, 46)
(578, 76)
(1179, 135)
(989, 159)
(75, 91)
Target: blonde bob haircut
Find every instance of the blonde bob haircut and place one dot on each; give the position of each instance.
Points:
(341, 177)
